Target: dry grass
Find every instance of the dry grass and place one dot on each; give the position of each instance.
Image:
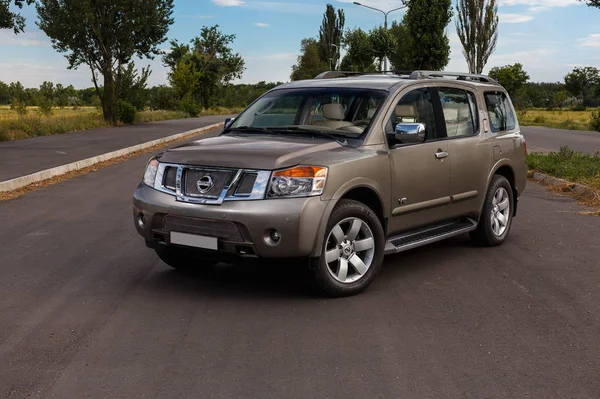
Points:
(573, 168)
(16, 127)
(559, 119)
(5, 196)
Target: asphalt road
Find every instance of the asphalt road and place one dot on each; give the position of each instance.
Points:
(86, 311)
(542, 139)
(22, 157)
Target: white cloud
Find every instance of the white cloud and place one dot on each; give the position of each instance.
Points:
(544, 3)
(228, 3)
(514, 18)
(261, 24)
(592, 40)
(8, 38)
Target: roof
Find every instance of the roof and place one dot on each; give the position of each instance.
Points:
(387, 80)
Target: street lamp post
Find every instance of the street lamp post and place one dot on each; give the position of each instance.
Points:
(385, 14)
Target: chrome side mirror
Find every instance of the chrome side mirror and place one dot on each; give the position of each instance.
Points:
(410, 132)
(228, 122)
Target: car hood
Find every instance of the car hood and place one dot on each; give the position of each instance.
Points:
(257, 152)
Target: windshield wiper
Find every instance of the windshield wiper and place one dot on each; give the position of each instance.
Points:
(337, 137)
(248, 129)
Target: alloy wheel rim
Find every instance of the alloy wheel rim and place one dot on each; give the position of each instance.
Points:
(349, 250)
(500, 214)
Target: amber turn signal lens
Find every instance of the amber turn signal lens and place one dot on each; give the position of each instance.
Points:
(302, 171)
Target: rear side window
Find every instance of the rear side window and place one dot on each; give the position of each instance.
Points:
(460, 112)
(500, 111)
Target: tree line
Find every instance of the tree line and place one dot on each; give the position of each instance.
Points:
(110, 33)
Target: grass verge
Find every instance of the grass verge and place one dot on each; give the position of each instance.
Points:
(5, 196)
(33, 124)
(573, 167)
(559, 119)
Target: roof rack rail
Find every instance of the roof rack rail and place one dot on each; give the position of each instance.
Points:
(458, 75)
(344, 74)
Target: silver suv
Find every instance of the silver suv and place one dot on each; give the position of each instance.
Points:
(340, 170)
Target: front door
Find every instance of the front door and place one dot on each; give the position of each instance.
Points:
(421, 173)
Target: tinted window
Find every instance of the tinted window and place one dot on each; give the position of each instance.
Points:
(414, 107)
(457, 107)
(501, 114)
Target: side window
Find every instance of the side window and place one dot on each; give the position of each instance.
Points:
(459, 114)
(413, 119)
(501, 114)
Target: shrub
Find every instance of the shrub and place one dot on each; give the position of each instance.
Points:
(595, 121)
(19, 106)
(579, 107)
(126, 112)
(190, 106)
(45, 107)
(539, 119)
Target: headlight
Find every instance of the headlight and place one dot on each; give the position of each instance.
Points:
(300, 181)
(150, 174)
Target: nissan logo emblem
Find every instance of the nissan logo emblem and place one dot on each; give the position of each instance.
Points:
(205, 183)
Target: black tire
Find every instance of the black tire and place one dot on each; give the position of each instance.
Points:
(484, 234)
(326, 282)
(184, 259)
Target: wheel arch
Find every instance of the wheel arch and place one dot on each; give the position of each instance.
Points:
(504, 168)
(365, 191)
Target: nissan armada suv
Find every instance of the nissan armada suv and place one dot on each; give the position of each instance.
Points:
(340, 170)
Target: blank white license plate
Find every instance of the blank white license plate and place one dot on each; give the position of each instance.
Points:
(192, 240)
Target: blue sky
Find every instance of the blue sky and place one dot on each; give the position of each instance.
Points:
(549, 37)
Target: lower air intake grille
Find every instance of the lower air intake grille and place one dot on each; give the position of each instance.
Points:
(211, 228)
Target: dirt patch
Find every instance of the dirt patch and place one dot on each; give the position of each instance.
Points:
(5, 196)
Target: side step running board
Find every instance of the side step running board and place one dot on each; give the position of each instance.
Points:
(428, 235)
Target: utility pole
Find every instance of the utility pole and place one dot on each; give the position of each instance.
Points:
(385, 24)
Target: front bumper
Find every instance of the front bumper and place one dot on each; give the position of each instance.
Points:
(243, 227)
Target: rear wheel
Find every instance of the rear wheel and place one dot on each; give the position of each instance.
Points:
(497, 215)
(352, 251)
(184, 259)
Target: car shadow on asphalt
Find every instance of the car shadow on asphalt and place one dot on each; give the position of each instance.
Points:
(292, 279)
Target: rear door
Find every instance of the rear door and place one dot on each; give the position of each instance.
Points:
(468, 149)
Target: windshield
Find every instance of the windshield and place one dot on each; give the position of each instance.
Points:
(344, 112)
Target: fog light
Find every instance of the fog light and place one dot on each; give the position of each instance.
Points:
(275, 236)
(141, 219)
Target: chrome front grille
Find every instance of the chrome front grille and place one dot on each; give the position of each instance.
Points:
(205, 182)
(211, 228)
(211, 185)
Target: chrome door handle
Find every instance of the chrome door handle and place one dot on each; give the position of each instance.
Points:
(441, 155)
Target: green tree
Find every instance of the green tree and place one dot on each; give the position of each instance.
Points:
(184, 78)
(399, 55)
(309, 63)
(133, 88)
(12, 20)
(17, 91)
(383, 43)
(426, 20)
(4, 93)
(512, 77)
(105, 35)
(359, 56)
(477, 29)
(592, 3)
(213, 60)
(330, 35)
(582, 82)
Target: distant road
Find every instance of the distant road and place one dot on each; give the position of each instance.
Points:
(542, 139)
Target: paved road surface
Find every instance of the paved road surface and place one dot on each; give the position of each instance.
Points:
(543, 139)
(86, 311)
(22, 157)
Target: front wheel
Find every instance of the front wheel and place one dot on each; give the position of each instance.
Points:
(496, 218)
(352, 250)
